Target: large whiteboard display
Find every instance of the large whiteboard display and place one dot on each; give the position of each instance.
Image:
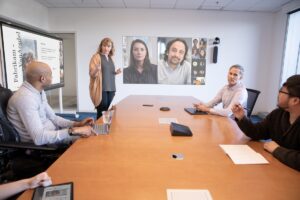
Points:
(21, 46)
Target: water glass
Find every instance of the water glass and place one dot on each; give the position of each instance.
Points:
(106, 117)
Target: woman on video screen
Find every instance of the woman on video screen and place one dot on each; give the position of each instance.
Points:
(140, 69)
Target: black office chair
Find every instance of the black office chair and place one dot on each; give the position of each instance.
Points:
(252, 97)
(18, 159)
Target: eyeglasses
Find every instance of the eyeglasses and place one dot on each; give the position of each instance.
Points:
(280, 91)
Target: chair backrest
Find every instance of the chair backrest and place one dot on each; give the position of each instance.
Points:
(252, 97)
(7, 132)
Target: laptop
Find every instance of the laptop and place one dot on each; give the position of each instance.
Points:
(101, 129)
(194, 111)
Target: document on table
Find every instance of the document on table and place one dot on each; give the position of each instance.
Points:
(181, 194)
(167, 120)
(243, 154)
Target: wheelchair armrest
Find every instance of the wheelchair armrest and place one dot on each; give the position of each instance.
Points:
(27, 145)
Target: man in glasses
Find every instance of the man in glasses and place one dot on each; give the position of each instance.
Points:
(282, 125)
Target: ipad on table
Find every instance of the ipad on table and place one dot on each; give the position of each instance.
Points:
(194, 111)
(53, 192)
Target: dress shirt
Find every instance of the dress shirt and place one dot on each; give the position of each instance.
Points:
(229, 96)
(33, 118)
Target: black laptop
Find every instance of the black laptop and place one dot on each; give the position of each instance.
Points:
(194, 111)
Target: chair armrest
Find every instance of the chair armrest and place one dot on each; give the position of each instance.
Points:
(25, 145)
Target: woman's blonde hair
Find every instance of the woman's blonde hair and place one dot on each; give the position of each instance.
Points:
(106, 41)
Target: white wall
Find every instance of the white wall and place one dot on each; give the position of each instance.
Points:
(70, 88)
(245, 39)
(28, 12)
(69, 64)
(254, 40)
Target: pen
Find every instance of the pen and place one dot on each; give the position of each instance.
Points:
(150, 105)
(245, 108)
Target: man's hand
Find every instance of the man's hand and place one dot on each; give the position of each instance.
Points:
(201, 107)
(238, 111)
(270, 146)
(87, 121)
(42, 179)
(82, 131)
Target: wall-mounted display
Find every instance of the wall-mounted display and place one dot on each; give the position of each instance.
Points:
(21, 46)
(164, 60)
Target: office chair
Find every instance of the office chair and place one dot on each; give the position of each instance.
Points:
(18, 159)
(252, 97)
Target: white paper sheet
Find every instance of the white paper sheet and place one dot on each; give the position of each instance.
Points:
(243, 154)
(167, 120)
(181, 194)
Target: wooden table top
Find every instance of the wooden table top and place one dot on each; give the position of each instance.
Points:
(134, 161)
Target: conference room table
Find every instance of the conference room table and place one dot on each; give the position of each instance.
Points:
(134, 161)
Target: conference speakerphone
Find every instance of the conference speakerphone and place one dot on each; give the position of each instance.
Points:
(180, 130)
(164, 108)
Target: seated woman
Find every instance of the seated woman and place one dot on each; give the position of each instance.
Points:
(140, 69)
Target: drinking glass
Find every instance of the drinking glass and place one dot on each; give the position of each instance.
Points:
(106, 117)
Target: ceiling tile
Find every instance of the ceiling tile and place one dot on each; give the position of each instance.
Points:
(268, 5)
(86, 3)
(112, 3)
(137, 3)
(162, 4)
(211, 7)
(188, 4)
(233, 5)
(216, 3)
(240, 5)
(61, 3)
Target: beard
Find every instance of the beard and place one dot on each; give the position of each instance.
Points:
(174, 60)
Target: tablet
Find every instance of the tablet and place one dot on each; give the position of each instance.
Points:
(194, 111)
(59, 191)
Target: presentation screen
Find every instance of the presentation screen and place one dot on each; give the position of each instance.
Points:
(164, 60)
(21, 46)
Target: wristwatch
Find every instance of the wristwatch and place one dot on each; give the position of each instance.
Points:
(70, 131)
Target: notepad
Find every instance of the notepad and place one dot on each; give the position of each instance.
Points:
(181, 194)
(243, 154)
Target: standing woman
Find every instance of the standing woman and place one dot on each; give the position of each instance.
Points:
(102, 76)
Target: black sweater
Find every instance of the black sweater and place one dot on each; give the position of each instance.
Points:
(276, 126)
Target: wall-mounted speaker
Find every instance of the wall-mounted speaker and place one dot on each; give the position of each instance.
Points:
(215, 54)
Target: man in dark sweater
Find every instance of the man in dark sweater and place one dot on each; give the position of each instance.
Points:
(282, 125)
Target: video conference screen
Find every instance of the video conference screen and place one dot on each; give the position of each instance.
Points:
(164, 60)
(21, 46)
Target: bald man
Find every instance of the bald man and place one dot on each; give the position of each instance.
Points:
(33, 118)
